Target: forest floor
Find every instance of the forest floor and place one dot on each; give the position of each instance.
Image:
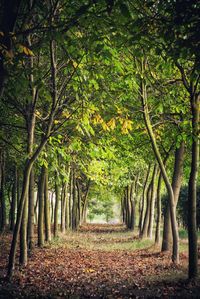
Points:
(99, 261)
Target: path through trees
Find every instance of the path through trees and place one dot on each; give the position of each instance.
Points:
(99, 103)
(99, 261)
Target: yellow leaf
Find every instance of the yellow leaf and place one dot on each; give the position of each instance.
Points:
(124, 130)
(66, 114)
(126, 126)
(105, 126)
(121, 120)
(74, 64)
(27, 51)
(97, 119)
(90, 270)
(111, 124)
(56, 121)
(79, 34)
(119, 111)
(37, 113)
(129, 124)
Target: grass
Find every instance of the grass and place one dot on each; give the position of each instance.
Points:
(116, 240)
(120, 239)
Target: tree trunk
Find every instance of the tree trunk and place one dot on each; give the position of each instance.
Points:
(25, 185)
(128, 207)
(85, 203)
(2, 192)
(67, 215)
(133, 191)
(52, 208)
(192, 189)
(18, 187)
(75, 202)
(132, 220)
(158, 205)
(29, 162)
(175, 251)
(144, 196)
(47, 221)
(123, 212)
(13, 201)
(36, 209)
(79, 203)
(41, 183)
(167, 230)
(176, 186)
(70, 196)
(31, 214)
(63, 207)
(57, 200)
(152, 203)
(147, 213)
(23, 258)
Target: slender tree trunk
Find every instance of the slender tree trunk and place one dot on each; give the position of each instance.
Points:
(67, 195)
(67, 215)
(128, 207)
(18, 187)
(132, 221)
(152, 203)
(13, 201)
(13, 248)
(25, 186)
(57, 200)
(192, 189)
(23, 258)
(41, 184)
(85, 203)
(28, 218)
(31, 214)
(158, 205)
(123, 211)
(147, 213)
(79, 203)
(52, 208)
(167, 230)
(2, 191)
(29, 162)
(70, 197)
(36, 209)
(175, 253)
(75, 203)
(133, 203)
(125, 208)
(176, 186)
(144, 196)
(63, 207)
(47, 220)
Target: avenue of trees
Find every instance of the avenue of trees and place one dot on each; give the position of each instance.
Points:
(99, 95)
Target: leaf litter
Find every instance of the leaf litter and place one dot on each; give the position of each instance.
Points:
(63, 270)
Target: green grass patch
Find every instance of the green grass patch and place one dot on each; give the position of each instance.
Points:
(111, 241)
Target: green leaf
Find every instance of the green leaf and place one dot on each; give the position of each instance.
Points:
(124, 10)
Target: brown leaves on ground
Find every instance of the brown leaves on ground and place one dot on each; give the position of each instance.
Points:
(67, 271)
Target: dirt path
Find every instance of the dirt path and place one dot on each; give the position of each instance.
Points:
(97, 262)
